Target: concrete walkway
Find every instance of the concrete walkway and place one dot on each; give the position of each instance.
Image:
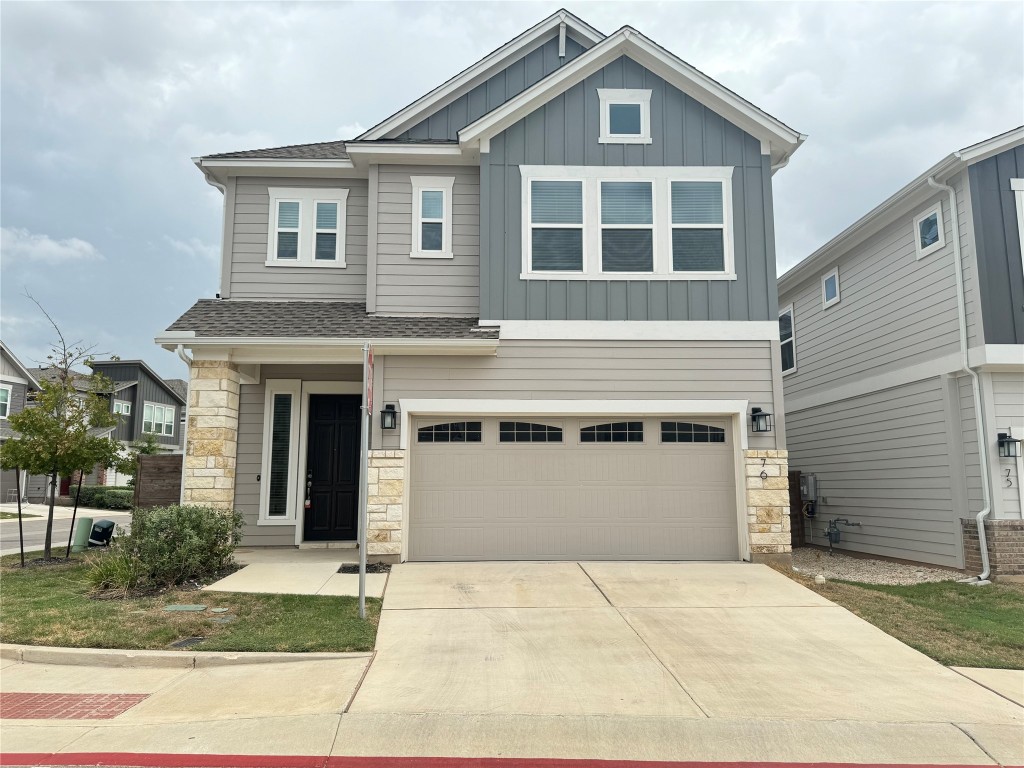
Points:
(291, 571)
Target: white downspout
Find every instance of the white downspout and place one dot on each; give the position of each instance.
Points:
(979, 409)
(184, 430)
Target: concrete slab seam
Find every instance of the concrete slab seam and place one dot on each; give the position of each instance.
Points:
(986, 687)
(976, 743)
(585, 573)
(362, 677)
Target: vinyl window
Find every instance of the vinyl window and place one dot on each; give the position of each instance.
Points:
(556, 225)
(929, 231)
(627, 226)
(698, 226)
(158, 419)
(625, 116)
(787, 335)
(279, 469)
(307, 227)
(830, 288)
(5, 401)
(432, 217)
(122, 407)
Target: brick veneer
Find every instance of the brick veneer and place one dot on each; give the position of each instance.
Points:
(767, 480)
(1005, 547)
(210, 456)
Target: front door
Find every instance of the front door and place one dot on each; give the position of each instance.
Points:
(332, 468)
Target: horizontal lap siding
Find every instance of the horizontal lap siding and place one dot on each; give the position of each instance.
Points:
(427, 286)
(251, 278)
(1008, 403)
(882, 460)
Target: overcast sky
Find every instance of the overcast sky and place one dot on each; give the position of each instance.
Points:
(110, 226)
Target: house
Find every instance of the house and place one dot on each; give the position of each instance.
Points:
(564, 260)
(903, 366)
(16, 382)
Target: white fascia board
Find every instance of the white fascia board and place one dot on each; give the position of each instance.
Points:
(276, 162)
(636, 330)
(1002, 355)
(412, 154)
(781, 138)
(29, 378)
(300, 346)
(993, 146)
(481, 71)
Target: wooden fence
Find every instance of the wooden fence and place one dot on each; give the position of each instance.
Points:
(158, 480)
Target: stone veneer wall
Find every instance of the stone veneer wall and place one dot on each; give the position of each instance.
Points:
(767, 474)
(210, 456)
(1005, 548)
(385, 478)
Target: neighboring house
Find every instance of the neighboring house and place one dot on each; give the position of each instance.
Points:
(878, 404)
(16, 382)
(564, 259)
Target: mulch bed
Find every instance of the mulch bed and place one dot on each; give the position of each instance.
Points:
(370, 568)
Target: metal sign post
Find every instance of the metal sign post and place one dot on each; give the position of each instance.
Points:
(364, 458)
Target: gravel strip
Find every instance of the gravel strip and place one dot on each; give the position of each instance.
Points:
(812, 562)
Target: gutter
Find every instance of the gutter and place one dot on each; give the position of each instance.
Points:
(979, 409)
(180, 350)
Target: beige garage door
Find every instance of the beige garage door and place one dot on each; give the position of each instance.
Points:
(571, 488)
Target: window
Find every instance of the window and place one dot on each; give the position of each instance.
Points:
(929, 232)
(688, 432)
(307, 227)
(5, 401)
(616, 432)
(670, 223)
(432, 217)
(625, 116)
(788, 339)
(830, 288)
(1017, 185)
(122, 407)
(556, 226)
(454, 432)
(158, 419)
(525, 432)
(279, 469)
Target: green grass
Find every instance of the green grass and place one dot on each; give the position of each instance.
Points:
(14, 515)
(50, 605)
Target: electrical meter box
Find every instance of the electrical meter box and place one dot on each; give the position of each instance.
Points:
(808, 488)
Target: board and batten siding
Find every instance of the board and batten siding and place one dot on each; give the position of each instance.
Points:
(407, 285)
(1008, 412)
(997, 235)
(884, 460)
(493, 92)
(147, 390)
(587, 370)
(565, 131)
(249, 277)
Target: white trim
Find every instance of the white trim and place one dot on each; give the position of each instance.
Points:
(934, 210)
(1009, 355)
(660, 178)
(825, 301)
(642, 98)
(267, 162)
(125, 404)
(792, 325)
(10, 396)
(445, 185)
(29, 378)
(314, 388)
(1017, 185)
(153, 421)
(307, 198)
(639, 330)
(275, 387)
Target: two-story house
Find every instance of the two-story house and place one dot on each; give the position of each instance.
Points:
(903, 366)
(16, 382)
(564, 259)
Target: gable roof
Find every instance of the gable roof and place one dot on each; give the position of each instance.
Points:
(776, 137)
(26, 372)
(899, 204)
(100, 364)
(493, 62)
(79, 380)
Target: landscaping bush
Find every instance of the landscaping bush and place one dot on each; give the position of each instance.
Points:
(168, 546)
(105, 496)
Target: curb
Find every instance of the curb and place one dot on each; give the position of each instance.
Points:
(103, 657)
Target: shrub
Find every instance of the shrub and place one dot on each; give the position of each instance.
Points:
(168, 546)
(105, 496)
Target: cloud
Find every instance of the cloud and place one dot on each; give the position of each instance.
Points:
(195, 248)
(20, 245)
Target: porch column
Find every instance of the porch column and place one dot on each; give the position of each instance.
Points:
(768, 506)
(208, 476)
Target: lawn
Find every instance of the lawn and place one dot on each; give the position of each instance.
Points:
(14, 515)
(955, 624)
(50, 606)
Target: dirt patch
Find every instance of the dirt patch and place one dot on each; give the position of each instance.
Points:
(370, 568)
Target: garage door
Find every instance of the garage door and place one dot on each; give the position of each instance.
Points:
(572, 488)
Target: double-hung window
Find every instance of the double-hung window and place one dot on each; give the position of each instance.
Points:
(556, 225)
(307, 227)
(787, 337)
(432, 217)
(5, 401)
(158, 419)
(627, 226)
(698, 226)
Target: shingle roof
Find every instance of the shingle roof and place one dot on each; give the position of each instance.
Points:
(180, 387)
(324, 150)
(319, 319)
(80, 380)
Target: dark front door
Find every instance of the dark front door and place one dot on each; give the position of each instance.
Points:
(332, 468)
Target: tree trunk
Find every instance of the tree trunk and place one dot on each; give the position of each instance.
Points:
(49, 518)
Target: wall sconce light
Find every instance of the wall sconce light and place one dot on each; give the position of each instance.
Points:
(388, 417)
(1009, 448)
(760, 420)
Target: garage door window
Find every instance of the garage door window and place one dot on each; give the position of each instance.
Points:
(614, 432)
(452, 432)
(688, 432)
(526, 432)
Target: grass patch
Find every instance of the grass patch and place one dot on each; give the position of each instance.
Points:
(955, 624)
(14, 515)
(50, 605)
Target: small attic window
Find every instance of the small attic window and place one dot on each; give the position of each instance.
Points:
(625, 116)
(928, 231)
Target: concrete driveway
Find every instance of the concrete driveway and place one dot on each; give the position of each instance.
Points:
(709, 646)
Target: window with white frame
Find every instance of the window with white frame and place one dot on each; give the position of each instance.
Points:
(432, 217)
(1017, 185)
(279, 472)
(591, 222)
(929, 232)
(787, 337)
(625, 116)
(122, 407)
(830, 288)
(5, 401)
(158, 419)
(307, 227)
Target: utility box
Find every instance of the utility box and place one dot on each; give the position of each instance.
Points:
(808, 487)
(101, 533)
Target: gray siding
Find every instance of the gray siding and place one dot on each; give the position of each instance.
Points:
(146, 391)
(998, 245)
(427, 286)
(565, 131)
(125, 431)
(8, 368)
(492, 93)
(1008, 411)
(883, 460)
(586, 370)
(248, 275)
